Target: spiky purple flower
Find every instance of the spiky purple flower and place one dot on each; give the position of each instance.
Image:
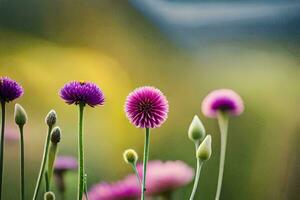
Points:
(146, 107)
(225, 100)
(120, 190)
(76, 92)
(65, 163)
(9, 89)
(164, 176)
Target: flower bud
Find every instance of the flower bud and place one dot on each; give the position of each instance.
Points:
(20, 115)
(55, 135)
(130, 156)
(196, 130)
(49, 196)
(204, 150)
(51, 118)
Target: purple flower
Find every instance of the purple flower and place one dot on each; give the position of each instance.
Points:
(225, 100)
(165, 176)
(9, 90)
(65, 163)
(76, 92)
(146, 107)
(121, 190)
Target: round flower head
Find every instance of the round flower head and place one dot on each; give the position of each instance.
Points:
(9, 89)
(225, 100)
(122, 190)
(146, 107)
(64, 163)
(164, 176)
(76, 92)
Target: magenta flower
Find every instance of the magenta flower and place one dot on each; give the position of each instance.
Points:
(146, 107)
(76, 92)
(164, 176)
(9, 90)
(65, 163)
(225, 100)
(122, 190)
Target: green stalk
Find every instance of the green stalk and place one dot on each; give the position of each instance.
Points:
(146, 154)
(197, 177)
(2, 145)
(22, 164)
(223, 124)
(136, 173)
(51, 159)
(80, 153)
(43, 164)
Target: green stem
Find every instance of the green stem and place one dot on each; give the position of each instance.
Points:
(136, 174)
(223, 124)
(43, 164)
(80, 153)
(47, 185)
(197, 177)
(2, 145)
(146, 154)
(51, 159)
(22, 163)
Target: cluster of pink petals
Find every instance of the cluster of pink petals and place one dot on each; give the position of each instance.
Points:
(222, 100)
(166, 176)
(161, 177)
(146, 107)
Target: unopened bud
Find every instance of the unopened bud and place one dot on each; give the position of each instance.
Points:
(56, 135)
(20, 115)
(49, 196)
(130, 156)
(196, 130)
(51, 118)
(204, 150)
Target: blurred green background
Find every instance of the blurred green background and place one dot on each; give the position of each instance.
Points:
(44, 44)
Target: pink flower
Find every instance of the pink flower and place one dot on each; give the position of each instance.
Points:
(225, 100)
(146, 107)
(164, 176)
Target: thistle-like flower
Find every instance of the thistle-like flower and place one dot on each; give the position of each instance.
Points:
(146, 107)
(222, 104)
(77, 92)
(223, 100)
(81, 93)
(9, 90)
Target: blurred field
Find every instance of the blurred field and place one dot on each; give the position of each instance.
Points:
(46, 44)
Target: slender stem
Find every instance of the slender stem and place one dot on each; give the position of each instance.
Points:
(2, 145)
(51, 159)
(136, 174)
(197, 177)
(47, 184)
(146, 154)
(80, 153)
(22, 163)
(223, 124)
(43, 164)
